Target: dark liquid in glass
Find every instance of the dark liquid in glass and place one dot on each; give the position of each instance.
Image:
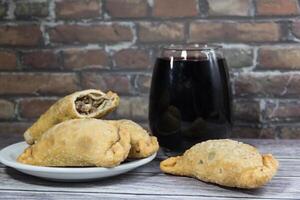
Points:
(190, 101)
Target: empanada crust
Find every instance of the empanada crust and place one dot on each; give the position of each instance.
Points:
(224, 162)
(79, 142)
(142, 143)
(64, 109)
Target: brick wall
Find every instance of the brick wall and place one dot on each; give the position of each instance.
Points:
(51, 48)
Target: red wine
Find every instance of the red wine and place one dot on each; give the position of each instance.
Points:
(190, 101)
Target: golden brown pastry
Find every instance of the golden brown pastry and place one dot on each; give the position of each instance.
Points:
(79, 142)
(224, 162)
(83, 104)
(142, 144)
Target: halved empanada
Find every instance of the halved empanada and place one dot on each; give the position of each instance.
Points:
(225, 162)
(83, 104)
(142, 143)
(79, 142)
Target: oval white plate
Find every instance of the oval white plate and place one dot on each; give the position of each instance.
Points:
(9, 154)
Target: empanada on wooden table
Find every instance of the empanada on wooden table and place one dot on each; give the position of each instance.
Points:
(79, 142)
(224, 162)
(83, 104)
(142, 143)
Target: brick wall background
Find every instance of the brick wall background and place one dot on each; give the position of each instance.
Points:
(51, 48)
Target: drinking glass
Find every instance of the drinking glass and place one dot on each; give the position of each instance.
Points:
(190, 96)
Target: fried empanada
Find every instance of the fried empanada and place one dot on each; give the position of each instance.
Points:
(83, 104)
(224, 162)
(79, 142)
(142, 143)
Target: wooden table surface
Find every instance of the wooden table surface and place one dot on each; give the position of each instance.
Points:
(148, 182)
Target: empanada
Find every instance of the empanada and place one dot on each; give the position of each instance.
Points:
(224, 162)
(83, 104)
(142, 144)
(79, 142)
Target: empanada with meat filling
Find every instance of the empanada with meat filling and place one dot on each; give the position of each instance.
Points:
(224, 162)
(79, 142)
(82, 104)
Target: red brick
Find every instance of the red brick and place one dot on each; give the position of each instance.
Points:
(33, 107)
(45, 59)
(9, 130)
(124, 109)
(178, 8)
(7, 109)
(296, 28)
(133, 108)
(258, 84)
(289, 132)
(139, 108)
(8, 60)
(132, 59)
(115, 82)
(127, 8)
(70, 34)
(161, 32)
(246, 110)
(234, 32)
(282, 110)
(22, 35)
(144, 83)
(79, 59)
(77, 9)
(3, 9)
(229, 8)
(277, 7)
(12, 132)
(29, 10)
(283, 58)
(34, 83)
(238, 58)
(251, 132)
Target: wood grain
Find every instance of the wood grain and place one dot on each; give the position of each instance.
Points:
(148, 182)
(283, 187)
(17, 195)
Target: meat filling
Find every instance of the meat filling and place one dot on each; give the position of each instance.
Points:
(90, 103)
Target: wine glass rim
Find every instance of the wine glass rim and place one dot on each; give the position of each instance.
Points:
(192, 47)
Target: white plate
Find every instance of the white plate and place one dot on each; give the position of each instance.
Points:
(9, 155)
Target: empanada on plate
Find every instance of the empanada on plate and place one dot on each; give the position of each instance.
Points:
(224, 162)
(79, 142)
(142, 143)
(83, 104)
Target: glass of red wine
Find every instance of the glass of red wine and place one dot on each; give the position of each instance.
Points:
(190, 97)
